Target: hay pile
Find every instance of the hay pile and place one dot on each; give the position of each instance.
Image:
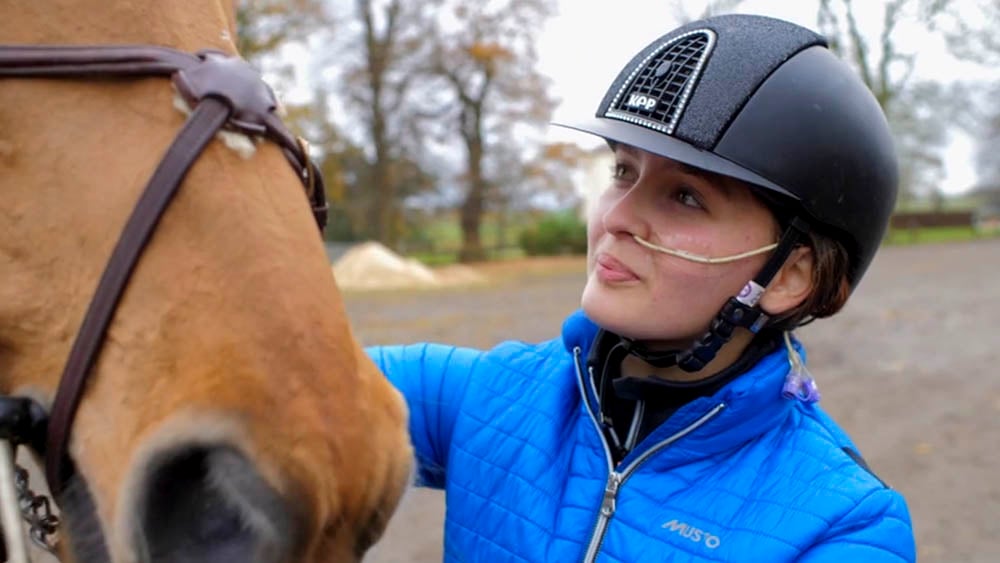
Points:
(372, 266)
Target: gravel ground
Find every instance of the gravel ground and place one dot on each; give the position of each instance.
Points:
(909, 368)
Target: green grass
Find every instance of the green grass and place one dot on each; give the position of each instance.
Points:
(445, 238)
(929, 235)
(440, 239)
(446, 257)
(445, 233)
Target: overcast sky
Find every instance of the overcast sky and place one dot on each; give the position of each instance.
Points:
(584, 46)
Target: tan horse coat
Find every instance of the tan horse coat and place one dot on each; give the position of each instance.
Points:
(231, 330)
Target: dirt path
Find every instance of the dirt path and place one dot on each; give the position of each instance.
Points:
(911, 369)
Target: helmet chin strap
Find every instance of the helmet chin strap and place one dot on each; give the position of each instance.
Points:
(740, 311)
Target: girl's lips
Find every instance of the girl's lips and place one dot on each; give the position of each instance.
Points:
(610, 270)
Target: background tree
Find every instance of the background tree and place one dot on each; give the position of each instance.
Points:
(987, 154)
(972, 36)
(341, 162)
(348, 172)
(379, 55)
(912, 107)
(358, 121)
(549, 177)
(265, 27)
(485, 59)
(523, 183)
(971, 30)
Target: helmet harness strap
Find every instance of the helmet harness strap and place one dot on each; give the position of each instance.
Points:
(740, 311)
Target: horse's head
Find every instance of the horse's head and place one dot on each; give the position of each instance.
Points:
(230, 415)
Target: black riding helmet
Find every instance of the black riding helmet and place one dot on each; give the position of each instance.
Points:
(764, 101)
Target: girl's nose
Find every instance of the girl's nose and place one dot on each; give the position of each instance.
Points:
(626, 212)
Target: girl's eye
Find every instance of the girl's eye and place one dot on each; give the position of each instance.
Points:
(687, 198)
(620, 172)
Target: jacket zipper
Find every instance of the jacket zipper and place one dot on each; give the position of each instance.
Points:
(615, 478)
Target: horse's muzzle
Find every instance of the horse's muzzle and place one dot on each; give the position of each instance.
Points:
(209, 503)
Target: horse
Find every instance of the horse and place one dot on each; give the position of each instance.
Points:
(228, 412)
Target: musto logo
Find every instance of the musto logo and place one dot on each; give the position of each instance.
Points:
(694, 534)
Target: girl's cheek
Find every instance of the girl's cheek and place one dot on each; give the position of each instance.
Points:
(691, 277)
(688, 242)
(681, 268)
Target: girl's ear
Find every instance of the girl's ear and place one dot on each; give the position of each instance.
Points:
(791, 285)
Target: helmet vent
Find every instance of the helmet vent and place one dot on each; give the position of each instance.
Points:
(657, 90)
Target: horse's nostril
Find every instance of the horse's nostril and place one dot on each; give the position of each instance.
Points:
(211, 504)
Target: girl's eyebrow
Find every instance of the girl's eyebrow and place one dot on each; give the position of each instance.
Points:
(717, 181)
(626, 148)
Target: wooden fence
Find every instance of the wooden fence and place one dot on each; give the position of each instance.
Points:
(924, 219)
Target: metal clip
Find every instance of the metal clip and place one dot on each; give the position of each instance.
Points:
(13, 532)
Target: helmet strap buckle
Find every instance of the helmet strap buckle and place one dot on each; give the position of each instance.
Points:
(742, 310)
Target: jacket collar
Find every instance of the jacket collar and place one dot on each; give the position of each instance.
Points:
(752, 403)
(578, 331)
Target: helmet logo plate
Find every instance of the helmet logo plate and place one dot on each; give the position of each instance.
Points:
(657, 90)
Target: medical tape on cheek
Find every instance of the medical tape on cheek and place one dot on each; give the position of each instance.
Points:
(703, 259)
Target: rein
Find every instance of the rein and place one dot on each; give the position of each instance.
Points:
(226, 93)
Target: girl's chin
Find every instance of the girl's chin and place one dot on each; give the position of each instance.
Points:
(613, 311)
(632, 316)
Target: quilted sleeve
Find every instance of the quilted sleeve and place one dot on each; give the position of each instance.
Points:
(877, 529)
(433, 379)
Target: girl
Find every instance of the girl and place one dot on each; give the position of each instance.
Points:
(674, 419)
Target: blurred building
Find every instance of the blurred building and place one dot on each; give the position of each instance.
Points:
(595, 174)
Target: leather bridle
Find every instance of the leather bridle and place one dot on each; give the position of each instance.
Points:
(224, 92)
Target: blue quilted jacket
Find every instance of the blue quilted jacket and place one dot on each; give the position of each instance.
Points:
(742, 475)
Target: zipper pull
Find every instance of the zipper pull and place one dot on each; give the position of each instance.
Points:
(610, 494)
